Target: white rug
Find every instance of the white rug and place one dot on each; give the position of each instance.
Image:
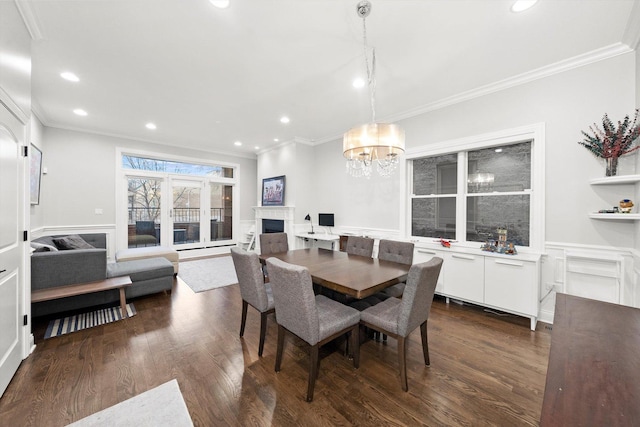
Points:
(160, 406)
(210, 273)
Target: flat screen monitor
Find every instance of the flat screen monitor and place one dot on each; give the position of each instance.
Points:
(325, 220)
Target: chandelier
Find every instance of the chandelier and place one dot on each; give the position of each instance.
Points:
(379, 143)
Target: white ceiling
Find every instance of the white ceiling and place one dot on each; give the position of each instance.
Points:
(208, 77)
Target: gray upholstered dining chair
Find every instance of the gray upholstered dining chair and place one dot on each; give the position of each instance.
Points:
(362, 246)
(315, 319)
(401, 252)
(399, 317)
(253, 289)
(273, 243)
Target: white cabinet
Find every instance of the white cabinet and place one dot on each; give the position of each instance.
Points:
(508, 283)
(511, 285)
(465, 276)
(423, 255)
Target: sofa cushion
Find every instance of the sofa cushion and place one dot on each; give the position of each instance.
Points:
(43, 247)
(142, 269)
(72, 241)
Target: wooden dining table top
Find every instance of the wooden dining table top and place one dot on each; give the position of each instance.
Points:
(352, 275)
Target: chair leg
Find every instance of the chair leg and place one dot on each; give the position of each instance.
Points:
(354, 337)
(243, 322)
(263, 331)
(402, 360)
(313, 370)
(425, 343)
(280, 347)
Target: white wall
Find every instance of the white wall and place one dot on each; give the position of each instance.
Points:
(81, 176)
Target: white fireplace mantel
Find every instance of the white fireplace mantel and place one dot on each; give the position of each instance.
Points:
(285, 213)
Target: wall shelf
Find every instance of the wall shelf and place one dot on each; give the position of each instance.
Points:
(616, 180)
(615, 216)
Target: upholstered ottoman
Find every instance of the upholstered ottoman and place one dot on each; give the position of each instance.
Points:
(133, 254)
(148, 276)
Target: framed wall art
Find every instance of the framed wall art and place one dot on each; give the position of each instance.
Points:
(35, 174)
(273, 191)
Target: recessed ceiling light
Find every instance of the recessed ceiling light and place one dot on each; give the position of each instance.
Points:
(220, 4)
(358, 83)
(80, 112)
(498, 150)
(284, 119)
(275, 140)
(256, 147)
(151, 126)
(521, 5)
(67, 75)
(237, 143)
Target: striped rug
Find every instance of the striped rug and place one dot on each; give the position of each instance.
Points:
(78, 322)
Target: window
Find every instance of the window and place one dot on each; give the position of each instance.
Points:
(467, 190)
(175, 202)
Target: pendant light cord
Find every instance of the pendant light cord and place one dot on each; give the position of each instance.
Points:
(371, 71)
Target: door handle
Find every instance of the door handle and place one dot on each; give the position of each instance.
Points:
(2, 271)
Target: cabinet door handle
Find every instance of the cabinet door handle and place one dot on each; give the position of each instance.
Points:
(2, 271)
(468, 257)
(422, 251)
(514, 263)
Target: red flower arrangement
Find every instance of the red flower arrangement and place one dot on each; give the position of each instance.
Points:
(610, 142)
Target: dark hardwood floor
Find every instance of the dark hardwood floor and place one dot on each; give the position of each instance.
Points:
(485, 370)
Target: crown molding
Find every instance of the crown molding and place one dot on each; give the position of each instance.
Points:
(631, 36)
(597, 55)
(36, 110)
(520, 79)
(251, 156)
(30, 19)
(295, 140)
(13, 107)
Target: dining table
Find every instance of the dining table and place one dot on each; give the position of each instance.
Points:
(352, 275)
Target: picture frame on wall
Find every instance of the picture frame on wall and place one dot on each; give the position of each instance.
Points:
(35, 174)
(273, 191)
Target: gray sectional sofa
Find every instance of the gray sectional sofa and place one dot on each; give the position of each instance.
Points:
(51, 267)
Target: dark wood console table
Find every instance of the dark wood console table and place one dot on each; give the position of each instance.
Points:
(593, 377)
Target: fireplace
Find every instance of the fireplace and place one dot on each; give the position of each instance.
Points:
(272, 215)
(273, 226)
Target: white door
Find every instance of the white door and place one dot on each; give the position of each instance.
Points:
(11, 247)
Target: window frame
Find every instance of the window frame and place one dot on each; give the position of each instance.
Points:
(167, 178)
(534, 133)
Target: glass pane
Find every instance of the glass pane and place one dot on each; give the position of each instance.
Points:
(504, 168)
(434, 217)
(485, 214)
(435, 175)
(141, 163)
(186, 215)
(221, 212)
(143, 212)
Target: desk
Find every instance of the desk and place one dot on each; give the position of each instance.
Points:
(351, 275)
(320, 237)
(594, 365)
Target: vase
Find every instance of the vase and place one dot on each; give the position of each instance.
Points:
(612, 166)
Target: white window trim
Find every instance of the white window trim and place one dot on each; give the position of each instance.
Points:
(534, 132)
(122, 174)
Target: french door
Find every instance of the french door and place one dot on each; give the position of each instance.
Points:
(178, 211)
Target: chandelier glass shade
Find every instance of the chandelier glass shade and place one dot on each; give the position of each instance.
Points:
(379, 143)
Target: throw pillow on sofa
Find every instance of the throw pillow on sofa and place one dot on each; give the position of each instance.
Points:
(41, 247)
(72, 241)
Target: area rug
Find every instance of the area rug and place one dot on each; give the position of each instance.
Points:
(160, 406)
(82, 321)
(210, 273)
